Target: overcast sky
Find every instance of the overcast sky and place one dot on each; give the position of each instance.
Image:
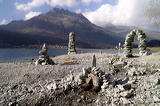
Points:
(99, 12)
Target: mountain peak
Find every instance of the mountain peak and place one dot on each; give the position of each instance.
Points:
(61, 13)
(58, 11)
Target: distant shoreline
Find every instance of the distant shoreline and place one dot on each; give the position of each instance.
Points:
(62, 48)
(151, 48)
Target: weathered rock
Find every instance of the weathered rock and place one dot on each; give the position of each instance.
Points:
(80, 78)
(127, 86)
(52, 86)
(95, 88)
(85, 71)
(14, 86)
(95, 79)
(104, 86)
(78, 100)
(158, 81)
(13, 104)
(156, 99)
(155, 81)
(89, 80)
(124, 87)
(131, 81)
(132, 71)
(95, 69)
(94, 61)
(126, 94)
(120, 87)
(125, 101)
(67, 87)
(30, 90)
(119, 64)
(85, 86)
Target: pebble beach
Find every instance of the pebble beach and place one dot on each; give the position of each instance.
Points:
(27, 84)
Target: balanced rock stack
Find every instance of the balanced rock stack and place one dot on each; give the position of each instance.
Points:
(128, 43)
(90, 78)
(71, 44)
(142, 43)
(44, 58)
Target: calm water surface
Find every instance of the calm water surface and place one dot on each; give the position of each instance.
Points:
(11, 55)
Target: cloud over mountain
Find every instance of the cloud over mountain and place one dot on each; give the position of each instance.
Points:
(53, 3)
(125, 12)
(37, 3)
(68, 3)
(78, 10)
(3, 22)
(31, 14)
(89, 1)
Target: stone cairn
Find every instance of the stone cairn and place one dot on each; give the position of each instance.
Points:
(44, 58)
(94, 61)
(142, 43)
(91, 78)
(71, 44)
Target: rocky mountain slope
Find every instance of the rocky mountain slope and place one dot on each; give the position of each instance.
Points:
(53, 28)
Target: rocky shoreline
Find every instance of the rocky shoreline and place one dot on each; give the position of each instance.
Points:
(124, 81)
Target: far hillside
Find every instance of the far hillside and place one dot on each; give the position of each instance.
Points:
(124, 30)
(154, 43)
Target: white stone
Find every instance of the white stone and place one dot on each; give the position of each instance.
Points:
(36, 63)
(156, 99)
(126, 94)
(120, 87)
(52, 86)
(125, 101)
(84, 72)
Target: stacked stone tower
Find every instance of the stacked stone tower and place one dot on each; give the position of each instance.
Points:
(71, 44)
(128, 44)
(142, 43)
(44, 58)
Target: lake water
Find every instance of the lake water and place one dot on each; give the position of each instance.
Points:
(9, 55)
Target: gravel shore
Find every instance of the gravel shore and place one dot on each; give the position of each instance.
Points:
(24, 83)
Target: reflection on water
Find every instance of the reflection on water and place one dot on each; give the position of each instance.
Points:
(24, 54)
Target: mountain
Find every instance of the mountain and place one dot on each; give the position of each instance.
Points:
(13, 25)
(13, 39)
(53, 28)
(124, 30)
(154, 43)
